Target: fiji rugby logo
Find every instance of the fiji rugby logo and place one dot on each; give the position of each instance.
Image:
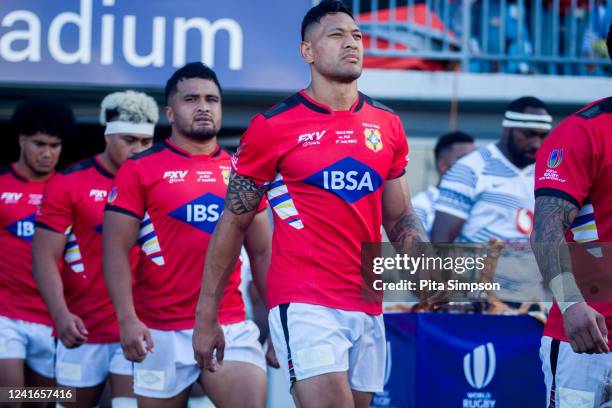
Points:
(479, 366)
(555, 158)
(373, 139)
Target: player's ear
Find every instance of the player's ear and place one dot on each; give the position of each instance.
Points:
(22, 139)
(169, 114)
(306, 52)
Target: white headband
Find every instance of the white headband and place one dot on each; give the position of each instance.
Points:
(129, 127)
(527, 120)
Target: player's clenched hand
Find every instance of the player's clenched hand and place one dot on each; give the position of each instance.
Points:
(136, 339)
(585, 329)
(208, 345)
(271, 354)
(71, 330)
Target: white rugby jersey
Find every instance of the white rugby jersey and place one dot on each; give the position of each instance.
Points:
(495, 198)
(492, 195)
(423, 204)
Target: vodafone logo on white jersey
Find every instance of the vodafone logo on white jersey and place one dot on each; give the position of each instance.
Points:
(175, 176)
(524, 221)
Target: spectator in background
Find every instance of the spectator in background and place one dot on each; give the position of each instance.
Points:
(27, 350)
(594, 41)
(489, 193)
(449, 148)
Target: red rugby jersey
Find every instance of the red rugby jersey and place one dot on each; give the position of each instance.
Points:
(575, 163)
(19, 200)
(74, 204)
(326, 170)
(181, 196)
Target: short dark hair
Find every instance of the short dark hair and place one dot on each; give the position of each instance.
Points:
(609, 41)
(446, 142)
(47, 116)
(521, 104)
(315, 14)
(191, 70)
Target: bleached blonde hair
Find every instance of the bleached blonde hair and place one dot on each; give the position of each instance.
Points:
(129, 106)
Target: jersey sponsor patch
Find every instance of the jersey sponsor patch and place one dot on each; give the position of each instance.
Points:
(23, 228)
(203, 212)
(348, 178)
(10, 197)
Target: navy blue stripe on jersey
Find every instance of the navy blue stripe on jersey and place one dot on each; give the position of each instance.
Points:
(451, 198)
(501, 199)
(485, 153)
(283, 106)
(496, 167)
(421, 213)
(583, 219)
(374, 103)
(485, 234)
(156, 148)
(603, 106)
(460, 173)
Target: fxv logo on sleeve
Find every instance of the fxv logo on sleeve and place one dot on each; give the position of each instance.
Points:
(203, 212)
(348, 178)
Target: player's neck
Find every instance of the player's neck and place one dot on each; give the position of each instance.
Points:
(503, 148)
(107, 163)
(26, 171)
(193, 146)
(335, 95)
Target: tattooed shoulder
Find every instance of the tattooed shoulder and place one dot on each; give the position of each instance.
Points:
(408, 229)
(243, 195)
(549, 210)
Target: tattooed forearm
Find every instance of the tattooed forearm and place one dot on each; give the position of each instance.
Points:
(407, 231)
(552, 217)
(243, 195)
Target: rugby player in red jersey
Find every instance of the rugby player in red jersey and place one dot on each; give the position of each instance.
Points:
(27, 349)
(178, 186)
(331, 161)
(69, 226)
(571, 241)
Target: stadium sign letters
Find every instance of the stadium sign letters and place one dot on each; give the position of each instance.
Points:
(119, 42)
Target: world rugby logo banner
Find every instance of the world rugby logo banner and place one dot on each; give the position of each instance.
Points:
(479, 366)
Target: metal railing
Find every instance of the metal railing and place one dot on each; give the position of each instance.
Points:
(559, 37)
